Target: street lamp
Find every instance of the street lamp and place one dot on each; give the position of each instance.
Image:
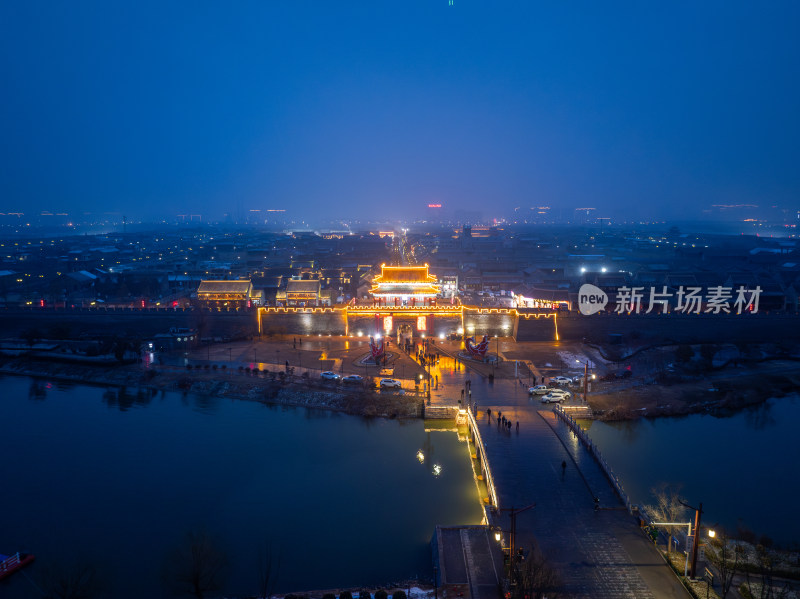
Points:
(513, 533)
(585, 377)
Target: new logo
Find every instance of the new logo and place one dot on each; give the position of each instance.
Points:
(591, 299)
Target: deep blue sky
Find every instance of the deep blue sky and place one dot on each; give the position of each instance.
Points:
(376, 107)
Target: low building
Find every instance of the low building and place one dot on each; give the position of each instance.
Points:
(227, 294)
(302, 292)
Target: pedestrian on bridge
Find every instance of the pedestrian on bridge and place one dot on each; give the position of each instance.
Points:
(517, 425)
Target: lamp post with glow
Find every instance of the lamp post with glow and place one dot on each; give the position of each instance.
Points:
(496, 355)
(512, 535)
(585, 378)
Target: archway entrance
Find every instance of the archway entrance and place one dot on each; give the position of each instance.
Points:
(405, 334)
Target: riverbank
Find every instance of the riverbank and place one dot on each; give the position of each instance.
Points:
(287, 390)
(719, 392)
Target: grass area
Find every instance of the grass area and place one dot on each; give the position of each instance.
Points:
(698, 588)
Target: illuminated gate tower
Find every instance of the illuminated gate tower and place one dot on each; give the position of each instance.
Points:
(404, 292)
(405, 286)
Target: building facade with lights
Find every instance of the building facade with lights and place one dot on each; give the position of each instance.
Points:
(405, 286)
(228, 294)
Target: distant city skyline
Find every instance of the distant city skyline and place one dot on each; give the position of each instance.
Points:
(362, 110)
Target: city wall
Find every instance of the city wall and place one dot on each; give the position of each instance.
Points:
(437, 325)
(598, 328)
(303, 321)
(678, 328)
(52, 323)
(490, 321)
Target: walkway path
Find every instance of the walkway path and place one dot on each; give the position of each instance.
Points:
(600, 553)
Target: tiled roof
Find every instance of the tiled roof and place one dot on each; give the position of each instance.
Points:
(224, 287)
(300, 286)
(404, 274)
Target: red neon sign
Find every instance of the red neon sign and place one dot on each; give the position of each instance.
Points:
(434, 205)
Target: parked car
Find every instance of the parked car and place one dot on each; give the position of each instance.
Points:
(353, 378)
(578, 380)
(563, 393)
(391, 384)
(539, 390)
(554, 398)
(330, 376)
(561, 380)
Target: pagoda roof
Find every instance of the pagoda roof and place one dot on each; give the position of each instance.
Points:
(404, 274)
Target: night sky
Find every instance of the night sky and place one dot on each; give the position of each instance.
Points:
(377, 108)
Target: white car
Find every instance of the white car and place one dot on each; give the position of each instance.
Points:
(391, 384)
(353, 378)
(554, 398)
(561, 380)
(539, 390)
(330, 376)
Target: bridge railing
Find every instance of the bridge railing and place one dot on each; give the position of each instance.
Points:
(596, 454)
(473, 425)
(10, 562)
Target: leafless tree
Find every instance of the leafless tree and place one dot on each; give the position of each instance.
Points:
(196, 567)
(761, 585)
(727, 556)
(268, 566)
(667, 508)
(536, 577)
(75, 580)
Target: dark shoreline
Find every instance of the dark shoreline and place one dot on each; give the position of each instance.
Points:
(721, 394)
(233, 384)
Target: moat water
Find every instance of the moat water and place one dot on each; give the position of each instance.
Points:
(115, 480)
(743, 466)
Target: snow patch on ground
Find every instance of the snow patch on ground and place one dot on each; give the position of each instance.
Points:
(575, 362)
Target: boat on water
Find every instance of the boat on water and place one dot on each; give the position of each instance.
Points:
(11, 563)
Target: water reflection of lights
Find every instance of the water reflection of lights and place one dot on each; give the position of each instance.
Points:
(420, 456)
(437, 469)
